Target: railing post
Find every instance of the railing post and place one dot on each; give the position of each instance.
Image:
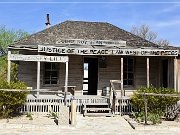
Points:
(73, 112)
(145, 108)
(9, 68)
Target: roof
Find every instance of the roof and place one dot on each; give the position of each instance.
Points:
(84, 30)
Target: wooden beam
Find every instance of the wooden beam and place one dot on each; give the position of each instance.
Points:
(122, 91)
(147, 71)
(175, 73)
(66, 85)
(163, 95)
(145, 108)
(38, 77)
(9, 68)
(159, 72)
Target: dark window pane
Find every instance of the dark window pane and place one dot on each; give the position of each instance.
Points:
(128, 70)
(125, 75)
(124, 82)
(130, 61)
(130, 76)
(130, 82)
(51, 73)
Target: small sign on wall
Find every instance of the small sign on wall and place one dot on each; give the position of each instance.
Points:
(42, 58)
(102, 62)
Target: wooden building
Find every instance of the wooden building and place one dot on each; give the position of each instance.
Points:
(55, 59)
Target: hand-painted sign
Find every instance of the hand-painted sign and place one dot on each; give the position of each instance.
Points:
(118, 43)
(88, 51)
(42, 58)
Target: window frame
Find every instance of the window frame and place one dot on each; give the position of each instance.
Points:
(51, 70)
(129, 70)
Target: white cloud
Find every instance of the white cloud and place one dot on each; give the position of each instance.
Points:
(169, 23)
(170, 8)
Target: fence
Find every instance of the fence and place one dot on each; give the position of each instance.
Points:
(46, 105)
(123, 106)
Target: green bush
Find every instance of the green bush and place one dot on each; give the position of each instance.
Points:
(154, 118)
(11, 101)
(156, 104)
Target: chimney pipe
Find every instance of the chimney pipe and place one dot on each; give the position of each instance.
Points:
(48, 21)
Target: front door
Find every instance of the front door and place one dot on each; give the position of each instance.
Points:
(92, 78)
(165, 73)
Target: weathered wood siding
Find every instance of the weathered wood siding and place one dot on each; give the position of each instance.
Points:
(28, 73)
(111, 72)
(75, 73)
(154, 72)
(140, 72)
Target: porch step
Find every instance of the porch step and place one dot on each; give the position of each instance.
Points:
(96, 109)
(99, 114)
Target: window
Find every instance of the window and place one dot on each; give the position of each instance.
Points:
(128, 71)
(51, 73)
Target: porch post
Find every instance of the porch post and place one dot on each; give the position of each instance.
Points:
(147, 60)
(66, 85)
(9, 67)
(38, 77)
(122, 91)
(175, 68)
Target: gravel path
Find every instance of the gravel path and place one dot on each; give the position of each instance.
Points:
(42, 125)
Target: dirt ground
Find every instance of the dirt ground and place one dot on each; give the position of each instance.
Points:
(44, 125)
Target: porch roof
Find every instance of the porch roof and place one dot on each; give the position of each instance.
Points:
(89, 31)
(84, 30)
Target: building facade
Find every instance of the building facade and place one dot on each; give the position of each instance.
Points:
(87, 55)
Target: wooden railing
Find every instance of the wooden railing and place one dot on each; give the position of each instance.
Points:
(46, 105)
(122, 106)
(51, 102)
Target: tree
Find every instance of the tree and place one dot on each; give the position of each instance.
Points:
(8, 36)
(145, 32)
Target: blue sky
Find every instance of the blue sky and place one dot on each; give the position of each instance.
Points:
(163, 17)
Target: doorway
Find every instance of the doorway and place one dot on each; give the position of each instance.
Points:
(165, 73)
(90, 76)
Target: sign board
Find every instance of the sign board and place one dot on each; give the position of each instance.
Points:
(42, 58)
(88, 51)
(118, 43)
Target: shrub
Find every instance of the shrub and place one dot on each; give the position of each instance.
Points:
(156, 104)
(11, 101)
(154, 118)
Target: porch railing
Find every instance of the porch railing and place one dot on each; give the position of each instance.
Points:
(46, 105)
(51, 102)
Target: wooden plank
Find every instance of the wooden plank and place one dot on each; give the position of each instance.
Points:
(38, 77)
(66, 84)
(106, 51)
(145, 108)
(147, 72)
(118, 43)
(85, 104)
(42, 58)
(122, 91)
(96, 109)
(9, 68)
(98, 114)
(175, 73)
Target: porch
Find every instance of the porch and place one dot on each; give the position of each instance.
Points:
(45, 104)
